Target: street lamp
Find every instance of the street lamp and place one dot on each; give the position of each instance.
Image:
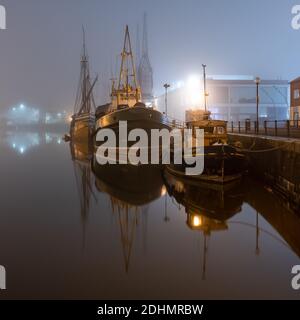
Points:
(166, 86)
(257, 82)
(204, 84)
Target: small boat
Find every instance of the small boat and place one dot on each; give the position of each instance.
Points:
(222, 162)
(83, 119)
(126, 100)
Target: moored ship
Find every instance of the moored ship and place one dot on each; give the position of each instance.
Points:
(222, 162)
(83, 119)
(126, 100)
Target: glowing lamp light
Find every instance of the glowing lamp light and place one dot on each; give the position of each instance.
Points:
(194, 82)
(22, 150)
(22, 107)
(193, 91)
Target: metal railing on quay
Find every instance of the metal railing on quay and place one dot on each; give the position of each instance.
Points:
(277, 128)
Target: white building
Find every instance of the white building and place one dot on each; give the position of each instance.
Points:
(231, 98)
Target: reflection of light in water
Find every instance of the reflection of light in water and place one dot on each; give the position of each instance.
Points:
(24, 141)
(50, 137)
(197, 221)
(163, 191)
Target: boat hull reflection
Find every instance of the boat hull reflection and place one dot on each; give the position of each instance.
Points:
(215, 202)
(134, 185)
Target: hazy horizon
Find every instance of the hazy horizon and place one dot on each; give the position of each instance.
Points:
(40, 50)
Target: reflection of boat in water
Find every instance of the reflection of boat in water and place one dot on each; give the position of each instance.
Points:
(207, 209)
(81, 156)
(222, 163)
(131, 185)
(83, 120)
(131, 189)
(126, 100)
(200, 201)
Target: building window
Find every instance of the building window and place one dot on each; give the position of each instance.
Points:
(296, 94)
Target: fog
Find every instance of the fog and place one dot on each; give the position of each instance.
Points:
(40, 50)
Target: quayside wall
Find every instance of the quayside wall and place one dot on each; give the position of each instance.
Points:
(274, 159)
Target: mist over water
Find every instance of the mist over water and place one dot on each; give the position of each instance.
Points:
(70, 229)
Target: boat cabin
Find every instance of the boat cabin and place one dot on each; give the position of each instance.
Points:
(215, 131)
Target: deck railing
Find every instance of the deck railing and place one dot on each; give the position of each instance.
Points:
(175, 123)
(277, 128)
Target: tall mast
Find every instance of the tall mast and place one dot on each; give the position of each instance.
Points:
(84, 98)
(138, 46)
(127, 61)
(84, 63)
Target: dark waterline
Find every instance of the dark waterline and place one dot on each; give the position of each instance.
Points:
(120, 233)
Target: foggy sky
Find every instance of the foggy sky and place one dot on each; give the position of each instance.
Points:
(40, 50)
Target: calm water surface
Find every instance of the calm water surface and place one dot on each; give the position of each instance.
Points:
(70, 229)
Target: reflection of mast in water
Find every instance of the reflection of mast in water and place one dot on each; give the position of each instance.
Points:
(131, 189)
(208, 208)
(128, 222)
(81, 156)
(166, 218)
(205, 249)
(83, 181)
(257, 250)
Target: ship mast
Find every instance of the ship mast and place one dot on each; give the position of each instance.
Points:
(85, 102)
(127, 85)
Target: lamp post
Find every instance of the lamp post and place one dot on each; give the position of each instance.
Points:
(166, 86)
(257, 82)
(204, 84)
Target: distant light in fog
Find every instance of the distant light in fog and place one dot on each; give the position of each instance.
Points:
(193, 91)
(22, 107)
